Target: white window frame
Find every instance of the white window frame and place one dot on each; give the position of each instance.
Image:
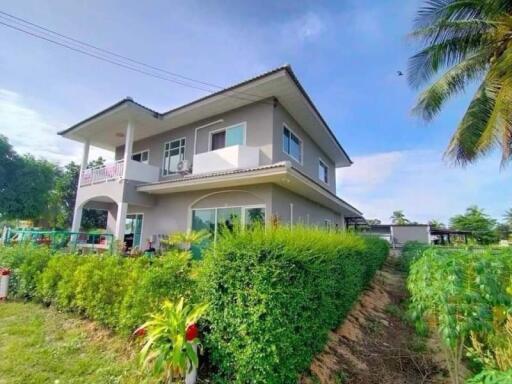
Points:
(320, 161)
(140, 153)
(169, 173)
(301, 161)
(243, 209)
(211, 133)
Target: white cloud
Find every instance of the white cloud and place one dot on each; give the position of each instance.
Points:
(306, 27)
(30, 132)
(423, 185)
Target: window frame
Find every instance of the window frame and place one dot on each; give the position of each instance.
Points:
(169, 173)
(141, 225)
(140, 153)
(301, 142)
(211, 133)
(243, 210)
(320, 163)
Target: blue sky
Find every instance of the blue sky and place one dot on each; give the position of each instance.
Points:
(345, 53)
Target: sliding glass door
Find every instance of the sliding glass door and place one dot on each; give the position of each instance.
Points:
(134, 227)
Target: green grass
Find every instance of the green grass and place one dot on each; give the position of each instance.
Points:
(41, 345)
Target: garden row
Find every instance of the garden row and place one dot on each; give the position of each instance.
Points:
(465, 296)
(272, 295)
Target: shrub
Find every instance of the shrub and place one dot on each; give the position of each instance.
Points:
(411, 251)
(462, 295)
(275, 294)
(168, 277)
(116, 291)
(26, 262)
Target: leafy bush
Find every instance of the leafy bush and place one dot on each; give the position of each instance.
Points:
(26, 262)
(275, 294)
(411, 251)
(462, 295)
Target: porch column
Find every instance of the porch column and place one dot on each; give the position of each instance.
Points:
(122, 209)
(128, 146)
(77, 218)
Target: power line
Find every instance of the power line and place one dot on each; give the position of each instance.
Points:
(41, 35)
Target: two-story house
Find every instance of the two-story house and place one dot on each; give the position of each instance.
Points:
(257, 151)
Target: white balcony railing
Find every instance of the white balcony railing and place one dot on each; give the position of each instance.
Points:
(228, 158)
(111, 171)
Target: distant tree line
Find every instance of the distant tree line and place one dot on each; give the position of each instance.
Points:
(484, 229)
(41, 191)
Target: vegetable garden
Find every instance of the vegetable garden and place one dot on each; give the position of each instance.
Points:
(465, 297)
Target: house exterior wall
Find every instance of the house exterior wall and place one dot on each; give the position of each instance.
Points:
(305, 211)
(258, 119)
(311, 155)
(172, 213)
(404, 233)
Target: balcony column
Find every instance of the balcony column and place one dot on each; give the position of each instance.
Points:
(128, 146)
(77, 213)
(122, 209)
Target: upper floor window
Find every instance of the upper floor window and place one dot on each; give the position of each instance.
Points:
(174, 152)
(323, 172)
(292, 145)
(226, 137)
(141, 157)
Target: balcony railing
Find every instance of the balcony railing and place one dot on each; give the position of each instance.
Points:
(103, 173)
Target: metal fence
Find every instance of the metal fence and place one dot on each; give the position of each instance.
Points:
(73, 241)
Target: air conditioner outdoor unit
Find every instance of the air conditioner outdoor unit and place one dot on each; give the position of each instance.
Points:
(183, 167)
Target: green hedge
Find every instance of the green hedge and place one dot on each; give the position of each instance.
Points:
(116, 291)
(275, 294)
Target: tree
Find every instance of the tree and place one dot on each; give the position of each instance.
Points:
(475, 220)
(508, 217)
(373, 221)
(503, 231)
(471, 42)
(25, 184)
(436, 224)
(398, 217)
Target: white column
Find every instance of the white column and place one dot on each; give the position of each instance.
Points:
(122, 209)
(85, 155)
(77, 219)
(128, 146)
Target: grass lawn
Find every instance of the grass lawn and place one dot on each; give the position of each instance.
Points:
(41, 345)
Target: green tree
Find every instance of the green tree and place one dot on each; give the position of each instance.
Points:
(465, 42)
(508, 217)
(25, 184)
(436, 224)
(398, 217)
(503, 231)
(475, 220)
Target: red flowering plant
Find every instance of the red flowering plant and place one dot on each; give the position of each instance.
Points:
(171, 340)
(5, 271)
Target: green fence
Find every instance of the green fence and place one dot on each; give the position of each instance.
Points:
(62, 239)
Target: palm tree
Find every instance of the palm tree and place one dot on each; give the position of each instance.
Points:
(436, 224)
(469, 41)
(508, 217)
(398, 217)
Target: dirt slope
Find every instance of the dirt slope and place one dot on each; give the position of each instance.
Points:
(375, 344)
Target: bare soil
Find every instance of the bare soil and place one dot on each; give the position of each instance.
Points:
(376, 344)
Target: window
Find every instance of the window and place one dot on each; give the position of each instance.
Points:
(234, 135)
(323, 172)
(174, 152)
(141, 157)
(133, 229)
(217, 220)
(292, 145)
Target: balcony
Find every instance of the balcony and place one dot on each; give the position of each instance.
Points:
(229, 158)
(115, 171)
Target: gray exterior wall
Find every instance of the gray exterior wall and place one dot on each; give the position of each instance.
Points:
(311, 151)
(305, 211)
(405, 233)
(257, 116)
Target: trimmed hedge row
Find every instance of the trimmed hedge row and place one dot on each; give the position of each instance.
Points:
(275, 294)
(116, 291)
(411, 251)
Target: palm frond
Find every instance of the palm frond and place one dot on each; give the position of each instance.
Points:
(426, 63)
(454, 81)
(447, 29)
(464, 145)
